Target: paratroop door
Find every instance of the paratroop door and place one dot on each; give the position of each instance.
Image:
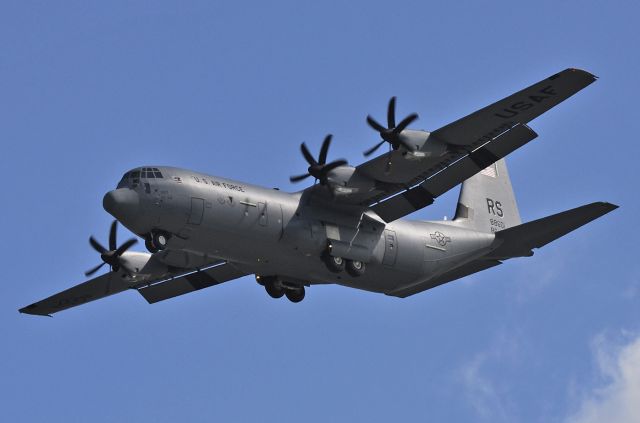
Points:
(390, 248)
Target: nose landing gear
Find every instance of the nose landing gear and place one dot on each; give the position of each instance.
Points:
(156, 241)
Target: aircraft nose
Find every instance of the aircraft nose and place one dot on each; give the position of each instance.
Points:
(122, 203)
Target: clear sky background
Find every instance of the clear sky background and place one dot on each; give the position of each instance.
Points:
(91, 89)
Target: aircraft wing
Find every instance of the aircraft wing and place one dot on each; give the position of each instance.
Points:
(423, 194)
(393, 172)
(94, 289)
(153, 290)
(483, 125)
(163, 290)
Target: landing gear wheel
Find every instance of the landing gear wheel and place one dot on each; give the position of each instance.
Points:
(159, 240)
(355, 268)
(295, 295)
(335, 264)
(274, 290)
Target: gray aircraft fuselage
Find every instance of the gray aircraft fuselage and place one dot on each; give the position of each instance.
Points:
(269, 232)
(347, 227)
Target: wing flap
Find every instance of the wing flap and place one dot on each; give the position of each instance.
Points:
(191, 282)
(423, 194)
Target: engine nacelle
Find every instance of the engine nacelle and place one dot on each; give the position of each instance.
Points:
(143, 265)
(425, 145)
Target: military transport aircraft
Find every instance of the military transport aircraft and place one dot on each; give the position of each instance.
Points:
(203, 230)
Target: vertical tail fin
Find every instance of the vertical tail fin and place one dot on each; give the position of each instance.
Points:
(487, 202)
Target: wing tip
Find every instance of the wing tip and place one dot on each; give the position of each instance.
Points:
(608, 207)
(582, 72)
(33, 310)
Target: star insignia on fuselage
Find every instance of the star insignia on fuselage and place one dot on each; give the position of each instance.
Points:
(440, 238)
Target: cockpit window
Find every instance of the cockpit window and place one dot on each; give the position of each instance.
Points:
(132, 178)
(151, 172)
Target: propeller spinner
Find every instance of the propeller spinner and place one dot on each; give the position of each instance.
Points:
(318, 169)
(113, 254)
(391, 134)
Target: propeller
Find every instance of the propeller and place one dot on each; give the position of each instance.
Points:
(318, 169)
(391, 134)
(113, 254)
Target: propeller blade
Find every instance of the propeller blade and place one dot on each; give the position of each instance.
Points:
(97, 246)
(299, 177)
(405, 122)
(330, 166)
(124, 247)
(322, 159)
(375, 125)
(113, 244)
(307, 155)
(94, 270)
(374, 148)
(391, 113)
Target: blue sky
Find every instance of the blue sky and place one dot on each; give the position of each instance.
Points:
(90, 89)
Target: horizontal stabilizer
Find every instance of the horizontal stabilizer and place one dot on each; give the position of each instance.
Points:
(192, 282)
(520, 240)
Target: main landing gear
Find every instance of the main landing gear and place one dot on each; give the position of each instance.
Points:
(335, 264)
(276, 289)
(156, 241)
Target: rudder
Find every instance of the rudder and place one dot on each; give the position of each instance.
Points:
(487, 202)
